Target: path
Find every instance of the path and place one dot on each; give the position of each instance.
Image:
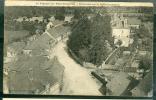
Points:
(77, 80)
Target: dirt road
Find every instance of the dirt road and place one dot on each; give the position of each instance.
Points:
(77, 80)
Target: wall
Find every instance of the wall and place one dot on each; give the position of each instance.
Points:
(123, 35)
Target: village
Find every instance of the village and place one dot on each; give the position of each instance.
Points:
(41, 63)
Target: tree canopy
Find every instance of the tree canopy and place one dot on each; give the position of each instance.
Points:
(145, 63)
(145, 36)
(88, 38)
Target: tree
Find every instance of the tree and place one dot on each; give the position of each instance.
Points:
(100, 29)
(79, 40)
(60, 14)
(145, 36)
(98, 51)
(145, 63)
(88, 38)
(78, 14)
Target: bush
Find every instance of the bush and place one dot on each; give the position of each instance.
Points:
(145, 63)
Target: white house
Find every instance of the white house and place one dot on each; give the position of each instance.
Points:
(68, 18)
(49, 25)
(27, 52)
(122, 34)
(39, 19)
(21, 19)
(121, 29)
(52, 18)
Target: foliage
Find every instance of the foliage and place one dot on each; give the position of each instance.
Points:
(101, 31)
(145, 63)
(60, 14)
(88, 38)
(145, 37)
(79, 39)
(77, 14)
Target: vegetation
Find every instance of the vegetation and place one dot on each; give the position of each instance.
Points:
(31, 27)
(14, 12)
(145, 63)
(143, 39)
(60, 14)
(88, 38)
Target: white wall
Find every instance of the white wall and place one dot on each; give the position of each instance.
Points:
(122, 34)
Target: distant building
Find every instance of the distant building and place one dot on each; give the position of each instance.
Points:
(135, 64)
(21, 19)
(59, 32)
(133, 22)
(57, 22)
(40, 46)
(52, 18)
(68, 18)
(56, 70)
(15, 36)
(39, 19)
(14, 49)
(122, 29)
(126, 53)
(122, 34)
(143, 53)
(49, 25)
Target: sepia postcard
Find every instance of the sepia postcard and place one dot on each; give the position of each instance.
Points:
(78, 48)
(67, 99)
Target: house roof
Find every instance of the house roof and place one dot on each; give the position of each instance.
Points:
(16, 46)
(36, 18)
(42, 42)
(28, 75)
(58, 31)
(57, 22)
(144, 86)
(133, 21)
(54, 68)
(12, 36)
(118, 83)
(120, 62)
(68, 18)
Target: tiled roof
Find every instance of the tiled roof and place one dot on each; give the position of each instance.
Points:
(42, 42)
(58, 31)
(28, 74)
(57, 22)
(54, 68)
(16, 46)
(118, 83)
(11, 36)
(144, 86)
(133, 21)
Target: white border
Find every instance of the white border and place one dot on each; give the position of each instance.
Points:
(77, 4)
